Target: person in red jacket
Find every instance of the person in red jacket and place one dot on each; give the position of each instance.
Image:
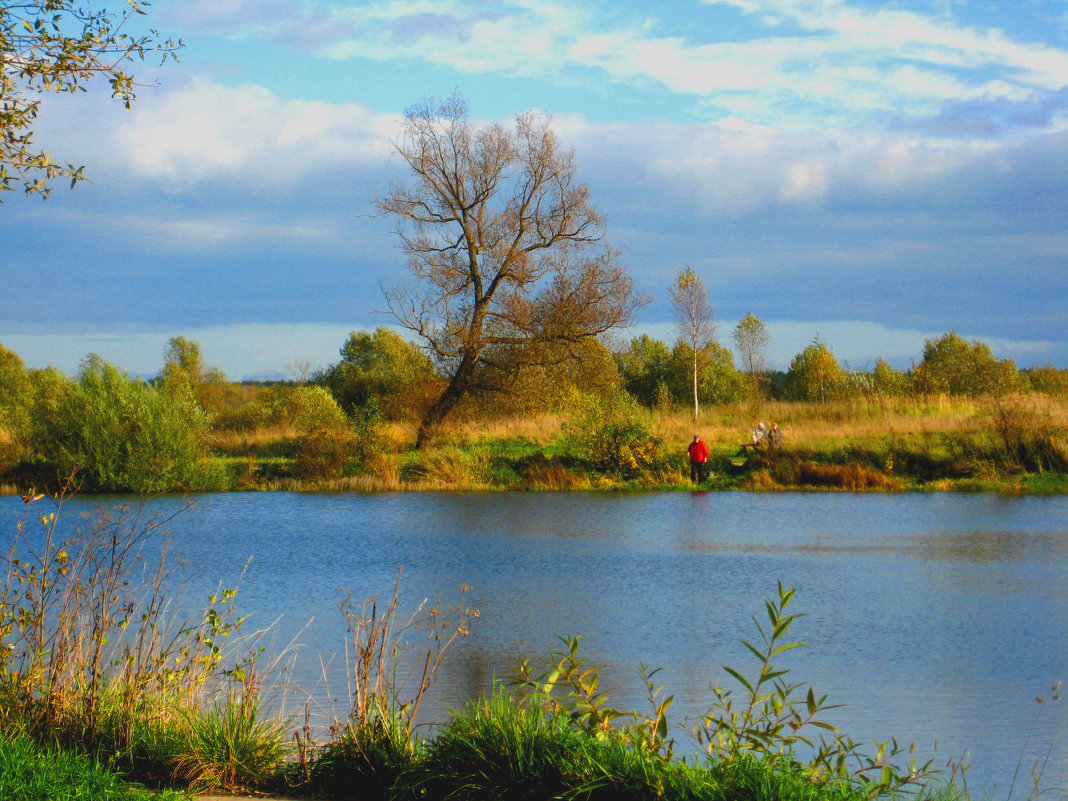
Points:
(698, 453)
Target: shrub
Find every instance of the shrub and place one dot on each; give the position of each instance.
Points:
(610, 433)
(120, 434)
(323, 453)
(366, 760)
(375, 367)
(497, 748)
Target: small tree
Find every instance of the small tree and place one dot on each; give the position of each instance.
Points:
(645, 367)
(58, 46)
(375, 366)
(814, 374)
(16, 394)
(886, 381)
(694, 314)
(184, 368)
(16, 400)
(751, 337)
(954, 366)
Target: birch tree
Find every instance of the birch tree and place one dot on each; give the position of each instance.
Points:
(751, 337)
(695, 317)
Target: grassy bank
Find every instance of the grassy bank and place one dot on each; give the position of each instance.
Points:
(30, 771)
(943, 445)
(96, 674)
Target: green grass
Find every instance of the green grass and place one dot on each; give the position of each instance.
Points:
(31, 773)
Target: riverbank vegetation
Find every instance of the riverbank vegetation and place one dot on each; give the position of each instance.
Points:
(602, 419)
(94, 666)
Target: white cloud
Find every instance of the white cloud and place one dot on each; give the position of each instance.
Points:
(734, 169)
(807, 64)
(206, 131)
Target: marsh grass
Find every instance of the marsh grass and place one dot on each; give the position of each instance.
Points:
(92, 658)
(989, 443)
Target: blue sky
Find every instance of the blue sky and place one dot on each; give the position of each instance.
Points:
(872, 173)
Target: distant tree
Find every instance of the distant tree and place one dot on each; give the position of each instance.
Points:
(887, 382)
(375, 365)
(954, 366)
(182, 360)
(814, 374)
(300, 369)
(16, 395)
(505, 248)
(1050, 380)
(718, 381)
(59, 46)
(16, 400)
(184, 368)
(751, 337)
(645, 367)
(694, 314)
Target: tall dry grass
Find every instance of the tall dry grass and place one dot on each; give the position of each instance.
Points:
(93, 656)
(810, 425)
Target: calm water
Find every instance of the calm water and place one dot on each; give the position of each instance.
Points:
(935, 619)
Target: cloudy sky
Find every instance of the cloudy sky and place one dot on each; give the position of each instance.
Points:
(874, 173)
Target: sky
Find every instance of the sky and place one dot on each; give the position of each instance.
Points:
(874, 174)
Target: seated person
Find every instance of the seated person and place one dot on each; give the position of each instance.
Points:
(758, 439)
(759, 435)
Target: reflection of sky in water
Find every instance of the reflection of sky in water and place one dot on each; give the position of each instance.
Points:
(932, 617)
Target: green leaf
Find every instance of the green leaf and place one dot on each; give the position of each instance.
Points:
(786, 647)
(741, 679)
(755, 651)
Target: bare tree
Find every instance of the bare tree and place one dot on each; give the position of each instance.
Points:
(694, 314)
(751, 337)
(505, 248)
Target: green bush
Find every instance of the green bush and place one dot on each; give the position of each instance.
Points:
(375, 367)
(610, 433)
(118, 434)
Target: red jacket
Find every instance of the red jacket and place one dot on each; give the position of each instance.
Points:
(698, 451)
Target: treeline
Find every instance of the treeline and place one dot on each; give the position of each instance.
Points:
(190, 428)
(657, 374)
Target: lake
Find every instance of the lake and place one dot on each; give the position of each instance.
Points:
(933, 618)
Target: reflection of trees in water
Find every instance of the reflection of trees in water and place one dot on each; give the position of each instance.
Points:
(995, 546)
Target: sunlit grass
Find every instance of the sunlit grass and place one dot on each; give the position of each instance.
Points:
(941, 443)
(29, 772)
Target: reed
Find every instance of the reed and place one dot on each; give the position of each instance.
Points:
(92, 657)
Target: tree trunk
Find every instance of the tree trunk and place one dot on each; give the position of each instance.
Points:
(696, 408)
(453, 394)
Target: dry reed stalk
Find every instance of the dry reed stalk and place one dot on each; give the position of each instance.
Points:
(85, 639)
(377, 690)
